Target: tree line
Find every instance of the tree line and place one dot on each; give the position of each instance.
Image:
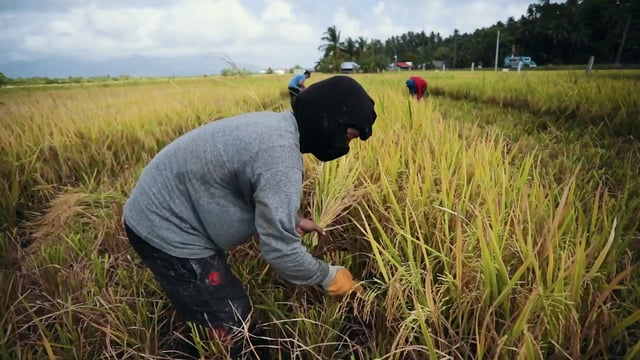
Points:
(551, 33)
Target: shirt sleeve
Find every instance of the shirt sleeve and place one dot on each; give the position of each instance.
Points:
(277, 199)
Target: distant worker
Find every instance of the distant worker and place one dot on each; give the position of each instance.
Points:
(417, 86)
(297, 84)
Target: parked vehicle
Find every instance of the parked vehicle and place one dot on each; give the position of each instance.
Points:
(513, 61)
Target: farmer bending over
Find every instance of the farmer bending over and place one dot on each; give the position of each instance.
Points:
(417, 86)
(214, 187)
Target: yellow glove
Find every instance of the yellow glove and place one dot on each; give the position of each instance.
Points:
(343, 283)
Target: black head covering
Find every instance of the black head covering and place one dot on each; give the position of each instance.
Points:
(326, 109)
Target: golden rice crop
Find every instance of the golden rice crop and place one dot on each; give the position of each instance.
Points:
(476, 235)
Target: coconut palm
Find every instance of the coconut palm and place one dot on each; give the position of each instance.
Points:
(361, 47)
(349, 48)
(332, 44)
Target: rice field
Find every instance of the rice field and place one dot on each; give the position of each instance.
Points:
(497, 219)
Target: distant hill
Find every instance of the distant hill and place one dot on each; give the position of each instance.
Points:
(62, 67)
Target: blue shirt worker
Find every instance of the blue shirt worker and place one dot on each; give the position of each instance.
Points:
(297, 84)
(214, 187)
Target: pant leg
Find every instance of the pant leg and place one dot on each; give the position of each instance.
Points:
(203, 291)
(293, 93)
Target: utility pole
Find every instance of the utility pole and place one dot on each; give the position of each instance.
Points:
(497, 47)
(624, 37)
(455, 46)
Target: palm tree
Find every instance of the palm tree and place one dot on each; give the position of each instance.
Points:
(349, 47)
(361, 47)
(332, 45)
(376, 47)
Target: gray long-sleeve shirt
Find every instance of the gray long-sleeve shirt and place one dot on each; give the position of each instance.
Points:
(215, 186)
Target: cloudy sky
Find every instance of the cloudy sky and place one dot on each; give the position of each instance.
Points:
(262, 32)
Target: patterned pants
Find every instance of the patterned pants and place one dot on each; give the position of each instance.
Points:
(204, 291)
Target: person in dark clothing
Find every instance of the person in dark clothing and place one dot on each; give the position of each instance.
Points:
(214, 187)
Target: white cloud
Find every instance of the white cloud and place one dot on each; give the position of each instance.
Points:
(277, 10)
(444, 16)
(376, 24)
(206, 25)
(186, 27)
(379, 8)
(92, 33)
(267, 32)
